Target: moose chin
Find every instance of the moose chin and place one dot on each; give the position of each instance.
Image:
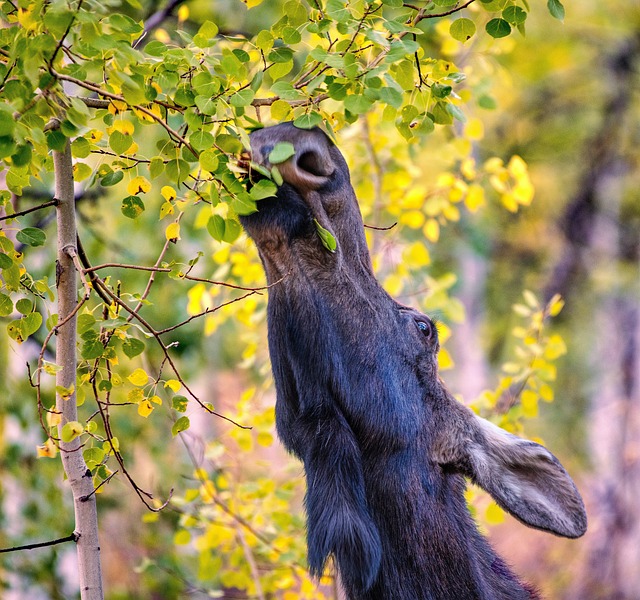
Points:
(387, 450)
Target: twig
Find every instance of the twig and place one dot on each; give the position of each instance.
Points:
(85, 498)
(381, 228)
(72, 252)
(26, 211)
(204, 312)
(70, 538)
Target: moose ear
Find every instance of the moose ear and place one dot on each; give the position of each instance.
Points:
(525, 479)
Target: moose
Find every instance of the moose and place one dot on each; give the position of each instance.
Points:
(386, 448)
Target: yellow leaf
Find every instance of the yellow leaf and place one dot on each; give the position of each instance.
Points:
(145, 408)
(172, 232)
(529, 401)
(138, 185)
(546, 392)
(183, 13)
(412, 218)
(162, 36)
(474, 129)
(416, 256)
(136, 395)
(393, 284)
(444, 360)
(173, 384)
(156, 399)
(166, 209)
(517, 167)
(168, 193)
(494, 514)
(265, 439)
(54, 418)
(122, 125)
(139, 377)
(47, 450)
(182, 537)
(431, 230)
(133, 149)
(475, 197)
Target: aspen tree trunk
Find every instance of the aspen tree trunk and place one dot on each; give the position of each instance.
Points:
(78, 476)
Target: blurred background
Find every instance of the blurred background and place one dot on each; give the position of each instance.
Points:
(485, 260)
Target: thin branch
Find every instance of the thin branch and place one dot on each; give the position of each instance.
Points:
(107, 480)
(73, 254)
(70, 538)
(204, 312)
(26, 211)
(443, 14)
(381, 228)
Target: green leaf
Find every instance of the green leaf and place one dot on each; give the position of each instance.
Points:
(326, 237)
(201, 140)
(56, 140)
(391, 96)
(180, 425)
(93, 457)
(281, 152)
(514, 14)
(7, 122)
(498, 28)
(31, 236)
(132, 207)
(112, 178)
(155, 48)
(71, 430)
(22, 156)
(215, 227)
(263, 189)
(357, 104)
(556, 9)
(24, 306)
(119, 142)
(92, 349)
(5, 261)
(462, 29)
(179, 403)
(206, 35)
(242, 98)
(308, 121)
(441, 91)
(209, 160)
(132, 347)
(6, 305)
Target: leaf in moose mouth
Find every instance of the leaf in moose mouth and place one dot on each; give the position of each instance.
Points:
(281, 152)
(327, 239)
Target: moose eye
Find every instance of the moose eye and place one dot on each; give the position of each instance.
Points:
(425, 327)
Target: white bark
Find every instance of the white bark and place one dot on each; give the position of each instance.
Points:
(78, 476)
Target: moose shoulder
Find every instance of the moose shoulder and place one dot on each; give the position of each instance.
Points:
(385, 447)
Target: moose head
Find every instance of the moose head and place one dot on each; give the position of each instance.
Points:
(385, 447)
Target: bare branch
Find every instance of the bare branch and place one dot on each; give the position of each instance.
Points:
(26, 211)
(70, 538)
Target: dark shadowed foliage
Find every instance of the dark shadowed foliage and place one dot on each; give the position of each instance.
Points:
(385, 447)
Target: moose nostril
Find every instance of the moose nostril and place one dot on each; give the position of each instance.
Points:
(311, 162)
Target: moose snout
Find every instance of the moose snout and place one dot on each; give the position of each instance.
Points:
(309, 168)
